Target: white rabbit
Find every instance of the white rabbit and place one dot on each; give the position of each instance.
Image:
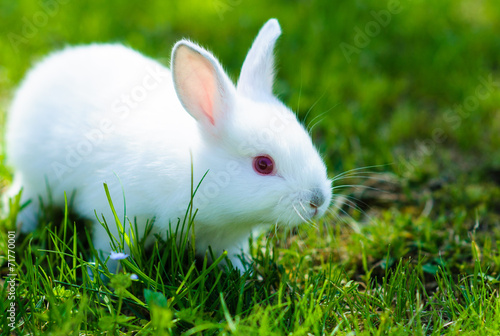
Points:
(104, 113)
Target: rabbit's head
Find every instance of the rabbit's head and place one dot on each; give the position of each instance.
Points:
(262, 166)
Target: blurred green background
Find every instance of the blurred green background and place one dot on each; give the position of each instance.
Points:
(408, 88)
(393, 83)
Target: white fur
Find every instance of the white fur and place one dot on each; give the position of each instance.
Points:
(71, 127)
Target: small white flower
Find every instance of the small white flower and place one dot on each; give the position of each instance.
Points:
(118, 255)
(134, 276)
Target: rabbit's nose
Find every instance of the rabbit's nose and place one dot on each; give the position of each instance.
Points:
(317, 198)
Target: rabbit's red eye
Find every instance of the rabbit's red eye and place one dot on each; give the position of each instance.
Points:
(263, 165)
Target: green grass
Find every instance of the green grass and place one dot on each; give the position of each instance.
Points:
(413, 251)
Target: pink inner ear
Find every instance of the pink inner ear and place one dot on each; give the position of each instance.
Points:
(204, 87)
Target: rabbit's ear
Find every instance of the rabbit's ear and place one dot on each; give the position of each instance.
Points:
(257, 74)
(201, 84)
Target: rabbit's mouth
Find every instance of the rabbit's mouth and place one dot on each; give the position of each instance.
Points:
(307, 205)
(315, 209)
(304, 212)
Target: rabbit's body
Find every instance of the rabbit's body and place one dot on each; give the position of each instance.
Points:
(106, 114)
(94, 136)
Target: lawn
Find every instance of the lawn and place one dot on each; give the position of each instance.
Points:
(401, 98)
